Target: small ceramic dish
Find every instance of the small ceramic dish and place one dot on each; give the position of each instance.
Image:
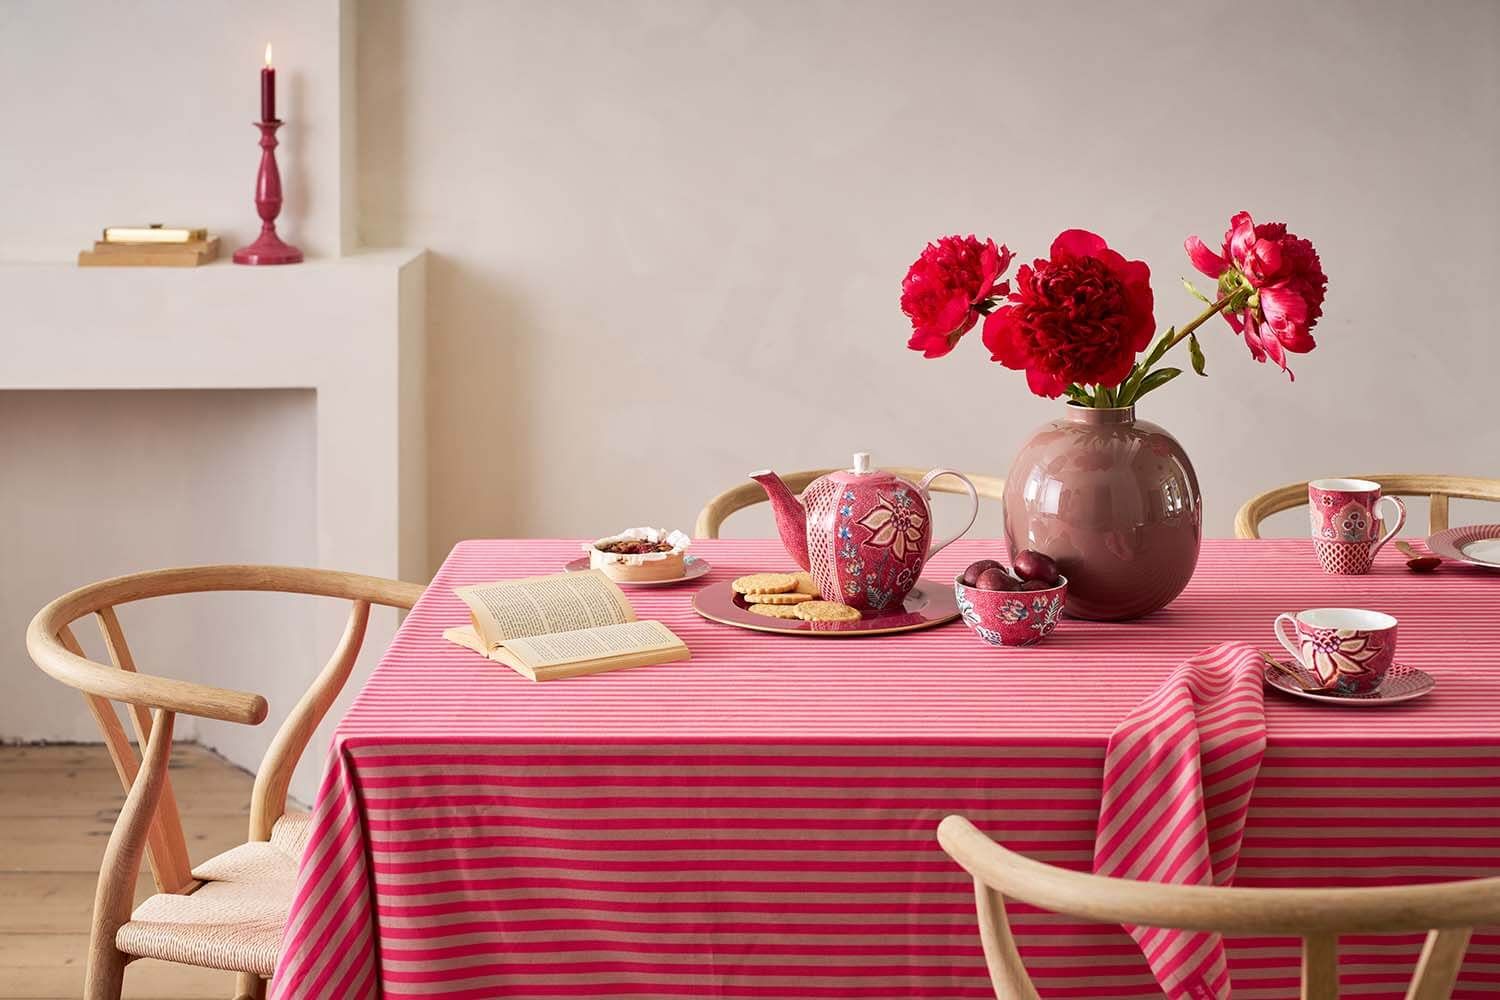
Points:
(1011, 617)
(640, 555)
(692, 568)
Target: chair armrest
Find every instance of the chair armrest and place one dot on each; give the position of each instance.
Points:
(50, 652)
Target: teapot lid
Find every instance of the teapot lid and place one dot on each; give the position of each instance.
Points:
(862, 471)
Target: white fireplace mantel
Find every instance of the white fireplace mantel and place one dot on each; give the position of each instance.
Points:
(349, 329)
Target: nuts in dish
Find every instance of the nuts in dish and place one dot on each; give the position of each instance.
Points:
(640, 555)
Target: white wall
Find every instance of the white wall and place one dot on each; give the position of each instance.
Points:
(669, 236)
(121, 113)
(97, 484)
(127, 113)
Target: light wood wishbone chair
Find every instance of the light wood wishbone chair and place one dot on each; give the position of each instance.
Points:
(227, 913)
(1448, 911)
(1438, 489)
(749, 494)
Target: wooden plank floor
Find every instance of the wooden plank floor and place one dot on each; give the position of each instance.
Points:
(57, 805)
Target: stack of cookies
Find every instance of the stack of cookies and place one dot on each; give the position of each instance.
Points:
(790, 595)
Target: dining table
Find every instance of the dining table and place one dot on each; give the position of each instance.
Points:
(759, 821)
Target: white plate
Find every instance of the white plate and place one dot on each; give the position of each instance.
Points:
(692, 568)
(1476, 544)
(1400, 683)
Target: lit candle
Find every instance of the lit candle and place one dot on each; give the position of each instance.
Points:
(268, 89)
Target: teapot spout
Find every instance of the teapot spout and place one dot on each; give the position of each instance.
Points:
(791, 516)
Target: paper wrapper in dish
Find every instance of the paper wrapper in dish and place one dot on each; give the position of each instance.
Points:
(634, 567)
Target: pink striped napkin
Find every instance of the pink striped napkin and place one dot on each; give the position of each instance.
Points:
(1177, 781)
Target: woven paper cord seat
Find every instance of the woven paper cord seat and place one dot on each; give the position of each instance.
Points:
(234, 920)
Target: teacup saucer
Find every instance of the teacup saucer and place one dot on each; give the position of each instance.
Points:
(1401, 683)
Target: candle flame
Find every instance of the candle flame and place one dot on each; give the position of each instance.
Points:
(268, 53)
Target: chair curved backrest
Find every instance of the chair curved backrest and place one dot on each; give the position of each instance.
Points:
(1438, 489)
(713, 514)
(149, 822)
(53, 647)
(1448, 911)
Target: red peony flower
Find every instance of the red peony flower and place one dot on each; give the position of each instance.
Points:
(1081, 316)
(945, 287)
(1285, 279)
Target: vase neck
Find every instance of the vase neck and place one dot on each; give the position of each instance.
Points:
(1100, 414)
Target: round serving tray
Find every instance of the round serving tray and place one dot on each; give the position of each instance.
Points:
(929, 604)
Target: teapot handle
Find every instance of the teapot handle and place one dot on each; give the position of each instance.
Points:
(973, 505)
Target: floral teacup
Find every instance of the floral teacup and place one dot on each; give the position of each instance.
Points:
(1011, 617)
(1349, 649)
(1346, 523)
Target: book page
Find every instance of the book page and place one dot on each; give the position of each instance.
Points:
(541, 605)
(592, 644)
(467, 638)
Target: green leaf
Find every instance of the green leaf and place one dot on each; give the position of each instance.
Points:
(1079, 395)
(1193, 291)
(1157, 379)
(1159, 350)
(1195, 352)
(1130, 388)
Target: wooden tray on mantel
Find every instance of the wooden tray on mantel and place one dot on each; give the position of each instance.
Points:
(929, 604)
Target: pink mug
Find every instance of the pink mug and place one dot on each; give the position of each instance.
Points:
(1346, 523)
(1349, 649)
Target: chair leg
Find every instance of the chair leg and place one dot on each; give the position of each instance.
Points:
(115, 895)
(1320, 967)
(1007, 973)
(249, 986)
(105, 978)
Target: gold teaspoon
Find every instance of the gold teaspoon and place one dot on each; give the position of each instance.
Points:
(1415, 561)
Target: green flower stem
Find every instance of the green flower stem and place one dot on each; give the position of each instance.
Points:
(1136, 383)
(1140, 380)
(1207, 314)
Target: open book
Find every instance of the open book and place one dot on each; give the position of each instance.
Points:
(564, 625)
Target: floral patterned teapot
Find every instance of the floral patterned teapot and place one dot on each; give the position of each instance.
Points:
(863, 534)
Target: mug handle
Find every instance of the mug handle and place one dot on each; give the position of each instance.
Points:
(973, 505)
(1400, 521)
(1286, 644)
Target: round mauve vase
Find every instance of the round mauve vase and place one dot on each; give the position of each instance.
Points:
(1114, 500)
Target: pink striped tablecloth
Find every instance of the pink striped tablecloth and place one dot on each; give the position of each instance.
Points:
(759, 822)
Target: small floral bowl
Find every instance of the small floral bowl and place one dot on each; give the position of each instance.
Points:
(1011, 617)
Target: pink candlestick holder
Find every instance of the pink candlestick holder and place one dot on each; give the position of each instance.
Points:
(268, 248)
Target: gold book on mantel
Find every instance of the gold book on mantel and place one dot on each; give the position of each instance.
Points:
(193, 254)
(565, 625)
(153, 233)
(209, 246)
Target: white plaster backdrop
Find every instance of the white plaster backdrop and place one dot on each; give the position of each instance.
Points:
(669, 236)
(296, 440)
(121, 114)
